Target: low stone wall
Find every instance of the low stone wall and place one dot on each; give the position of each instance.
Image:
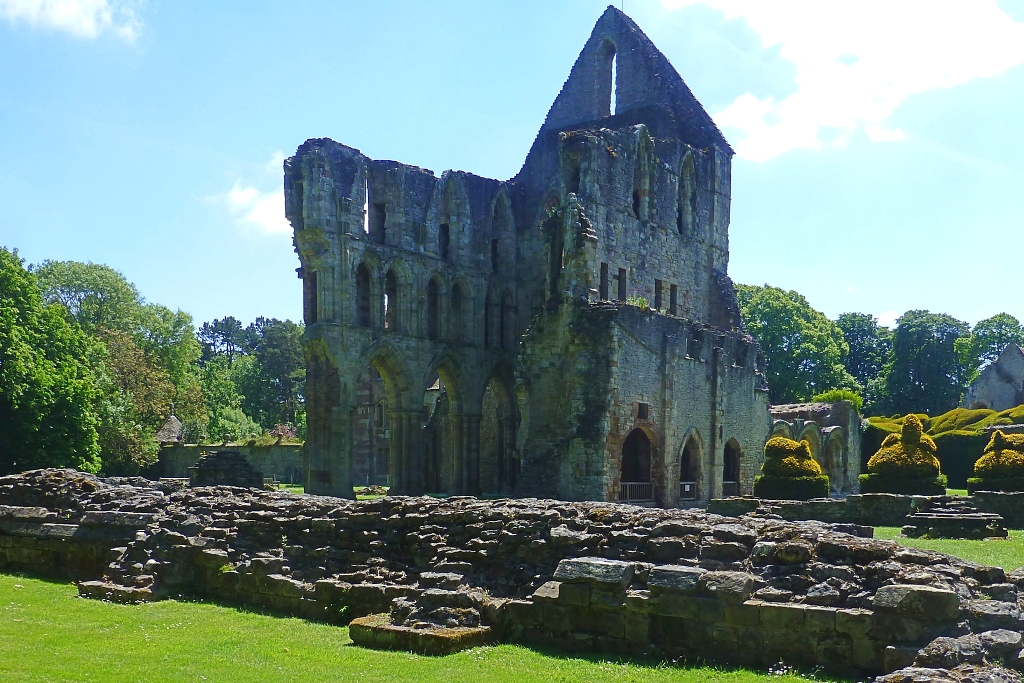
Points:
(586, 576)
(871, 509)
(284, 461)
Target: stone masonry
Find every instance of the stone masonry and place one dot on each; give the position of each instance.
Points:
(571, 332)
(583, 575)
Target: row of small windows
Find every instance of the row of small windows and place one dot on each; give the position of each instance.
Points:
(499, 317)
(622, 290)
(375, 227)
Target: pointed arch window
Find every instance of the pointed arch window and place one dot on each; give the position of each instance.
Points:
(686, 207)
(391, 302)
(363, 295)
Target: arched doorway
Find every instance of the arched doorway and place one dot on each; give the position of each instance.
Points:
(635, 480)
(498, 468)
(731, 469)
(689, 470)
(371, 430)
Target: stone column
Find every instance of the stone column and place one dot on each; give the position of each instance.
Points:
(472, 431)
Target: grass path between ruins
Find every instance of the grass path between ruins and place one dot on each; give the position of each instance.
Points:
(47, 633)
(1006, 553)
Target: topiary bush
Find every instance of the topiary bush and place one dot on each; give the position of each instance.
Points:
(789, 472)
(1001, 465)
(906, 463)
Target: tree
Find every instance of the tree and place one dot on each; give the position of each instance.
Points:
(96, 296)
(926, 373)
(278, 348)
(47, 385)
(136, 399)
(869, 343)
(989, 338)
(223, 337)
(804, 349)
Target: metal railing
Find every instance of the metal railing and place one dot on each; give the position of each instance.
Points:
(687, 490)
(636, 491)
(730, 488)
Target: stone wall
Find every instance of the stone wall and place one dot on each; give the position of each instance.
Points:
(591, 576)
(874, 509)
(479, 287)
(283, 461)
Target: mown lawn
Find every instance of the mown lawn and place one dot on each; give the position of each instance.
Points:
(1006, 553)
(47, 633)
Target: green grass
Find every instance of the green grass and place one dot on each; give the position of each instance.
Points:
(291, 488)
(1005, 553)
(47, 634)
(956, 492)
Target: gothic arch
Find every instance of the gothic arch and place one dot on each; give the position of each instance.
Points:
(691, 466)
(686, 198)
(498, 424)
(782, 428)
(811, 433)
(501, 247)
(448, 218)
(643, 174)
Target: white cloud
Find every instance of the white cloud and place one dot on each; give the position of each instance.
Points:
(265, 209)
(82, 18)
(888, 318)
(254, 207)
(858, 61)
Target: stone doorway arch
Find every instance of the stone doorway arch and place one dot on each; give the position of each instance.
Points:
(635, 481)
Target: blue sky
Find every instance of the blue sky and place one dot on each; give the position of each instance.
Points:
(879, 167)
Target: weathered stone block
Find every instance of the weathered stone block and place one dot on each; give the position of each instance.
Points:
(594, 570)
(992, 614)
(548, 592)
(924, 603)
(742, 613)
(735, 586)
(675, 578)
(637, 627)
(690, 607)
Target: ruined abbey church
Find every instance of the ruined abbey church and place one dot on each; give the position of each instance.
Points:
(569, 333)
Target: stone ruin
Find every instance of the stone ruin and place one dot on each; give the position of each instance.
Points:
(571, 332)
(225, 468)
(438, 574)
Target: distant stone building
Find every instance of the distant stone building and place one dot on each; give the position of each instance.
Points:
(571, 332)
(1000, 385)
(832, 430)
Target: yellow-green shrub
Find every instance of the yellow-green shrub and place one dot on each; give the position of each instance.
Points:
(905, 463)
(790, 472)
(911, 453)
(1001, 466)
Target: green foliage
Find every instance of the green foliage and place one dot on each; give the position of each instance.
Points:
(1001, 466)
(926, 372)
(804, 350)
(48, 387)
(988, 339)
(869, 344)
(95, 296)
(836, 395)
(790, 472)
(638, 300)
(905, 463)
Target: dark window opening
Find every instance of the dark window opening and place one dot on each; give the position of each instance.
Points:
(622, 284)
(636, 203)
(686, 210)
(433, 309)
(557, 247)
(741, 356)
(636, 457)
(390, 302)
(643, 411)
(693, 344)
(488, 318)
(494, 255)
(673, 300)
(507, 331)
(657, 295)
(442, 241)
(311, 305)
(688, 464)
(731, 470)
(378, 218)
(457, 313)
(362, 295)
(574, 180)
(297, 200)
(604, 282)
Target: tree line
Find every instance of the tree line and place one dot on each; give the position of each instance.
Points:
(923, 364)
(89, 371)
